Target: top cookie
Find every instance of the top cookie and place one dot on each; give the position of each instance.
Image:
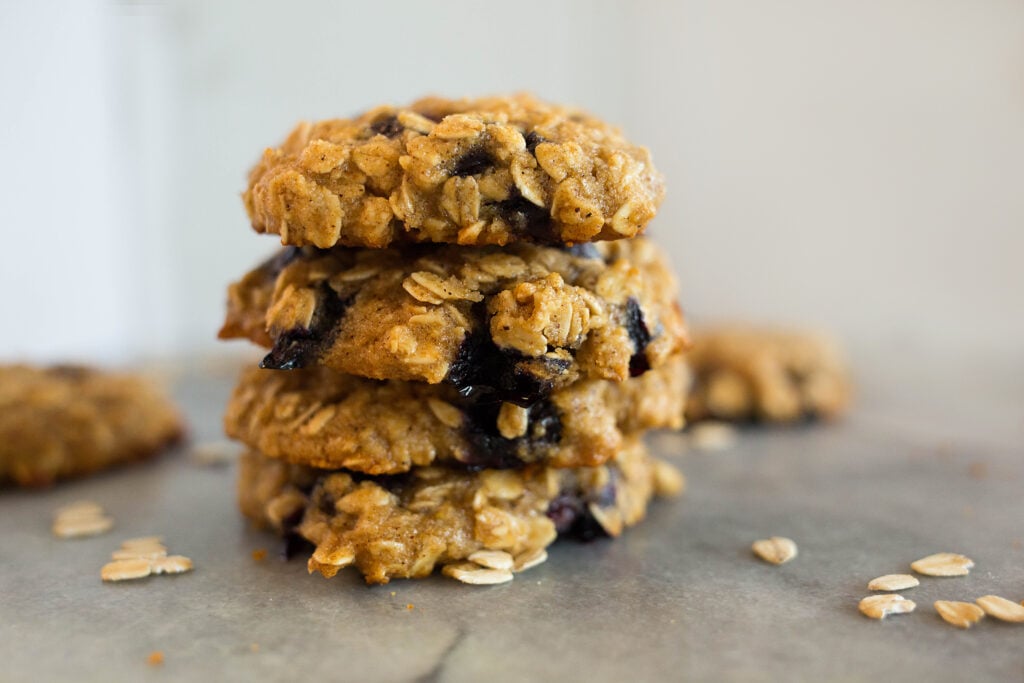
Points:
(485, 171)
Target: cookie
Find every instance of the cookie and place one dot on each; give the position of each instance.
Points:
(495, 170)
(744, 373)
(324, 419)
(513, 322)
(406, 526)
(67, 421)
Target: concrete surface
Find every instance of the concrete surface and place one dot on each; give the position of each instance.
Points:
(929, 461)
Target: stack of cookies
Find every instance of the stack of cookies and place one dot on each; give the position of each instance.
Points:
(467, 338)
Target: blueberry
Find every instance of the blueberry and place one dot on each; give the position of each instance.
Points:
(388, 126)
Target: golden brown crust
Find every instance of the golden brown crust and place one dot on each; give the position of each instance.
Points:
(493, 170)
(405, 527)
(66, 421)
(540, 315)
(325, 419)
(748, 373)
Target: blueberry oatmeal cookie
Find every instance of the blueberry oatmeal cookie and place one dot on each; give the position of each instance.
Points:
(329, 420)
(69, 421)
(513, 322)
(744, 373)
(408, 525)
(494, 170)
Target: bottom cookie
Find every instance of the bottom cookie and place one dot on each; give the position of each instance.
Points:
(69, 421)
(490, 521)
(767, 375)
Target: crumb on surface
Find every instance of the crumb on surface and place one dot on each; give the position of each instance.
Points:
(259, 554)
(410, 606)
(156, 658)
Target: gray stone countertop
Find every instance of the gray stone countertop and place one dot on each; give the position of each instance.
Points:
(930, 460)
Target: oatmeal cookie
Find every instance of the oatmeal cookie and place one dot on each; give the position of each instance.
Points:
(515, 322)
(494, 170)
(69, 421)
(325, 419)
(746, 373)
(406, 526)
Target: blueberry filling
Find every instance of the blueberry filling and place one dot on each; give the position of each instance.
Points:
(585, 250)
(640, 336)
(474, 162)
(300, 347)
(570, 512)
(293, 543)
(483, 372)
(532, 140)
(489, 449)
(273, 266)
(388, 126)
(524, 217)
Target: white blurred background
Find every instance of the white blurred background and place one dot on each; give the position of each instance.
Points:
(853, 164)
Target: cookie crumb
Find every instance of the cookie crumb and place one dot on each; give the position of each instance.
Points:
(978, 469)
(943, 564)
(155, 658)
(259, 554)
(960, 614)
(775, 550)
(893, 582)
(410, 606)
(81, 519)
(881, 606)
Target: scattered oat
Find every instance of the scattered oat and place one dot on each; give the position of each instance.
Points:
(81, 507)
(394, 593)
(668, 480)
(472, 573)
(155, 658)
(125, 570)
(893, 582)
(259, 554)
(172, 564)
(214, 453)
(960, 614)
(530, 559)
(143, 541)
(141, 554)
(1002, 609)
(943, 564)
(713, 436)
(775, 550)
(492, 559)
(83, 518)
(140, 557)
(881, 606)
